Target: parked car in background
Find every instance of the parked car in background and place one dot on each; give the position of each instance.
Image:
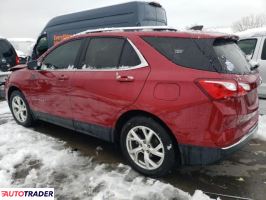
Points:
(23, 47)
(167, 97)
(134, 13)
(253, 44)
(8, 59)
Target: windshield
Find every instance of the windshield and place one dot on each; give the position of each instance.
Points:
(248, 46)
(231, 57)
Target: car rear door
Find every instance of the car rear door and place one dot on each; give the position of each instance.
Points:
(50, 86)
(112, 75)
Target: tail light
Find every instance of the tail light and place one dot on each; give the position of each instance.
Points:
(243, 89)
(223, 89)
(17, 60)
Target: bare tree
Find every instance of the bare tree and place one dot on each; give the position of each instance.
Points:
(248, 22)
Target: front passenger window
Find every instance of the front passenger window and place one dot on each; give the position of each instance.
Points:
(63, 57)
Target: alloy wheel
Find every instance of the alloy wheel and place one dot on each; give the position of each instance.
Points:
(145, 147)
(19, 109)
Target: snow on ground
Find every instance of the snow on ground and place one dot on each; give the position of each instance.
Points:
(32, 159)
(262, 128)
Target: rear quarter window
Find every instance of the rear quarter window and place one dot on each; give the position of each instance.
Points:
(215, 55)
(182, 51)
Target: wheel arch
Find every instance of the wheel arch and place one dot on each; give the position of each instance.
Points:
(10, 90)
(134, 113)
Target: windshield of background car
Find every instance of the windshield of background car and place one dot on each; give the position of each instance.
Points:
(248, 46)
(220, 55)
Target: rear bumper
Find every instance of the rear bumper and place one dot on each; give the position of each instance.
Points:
(192, 155)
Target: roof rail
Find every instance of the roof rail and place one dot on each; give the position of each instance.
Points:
(127, 29)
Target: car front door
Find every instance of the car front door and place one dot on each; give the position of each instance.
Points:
(262, 68)
(111, 77)
(51, 83)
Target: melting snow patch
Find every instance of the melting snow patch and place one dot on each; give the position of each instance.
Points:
(262, 128)
(31, 159)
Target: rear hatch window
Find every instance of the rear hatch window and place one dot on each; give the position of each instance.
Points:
(216, 55)
(231, 57)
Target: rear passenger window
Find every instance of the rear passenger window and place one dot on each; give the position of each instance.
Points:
(129, 57)
(103, 53)
(263, 55)
(63, 57)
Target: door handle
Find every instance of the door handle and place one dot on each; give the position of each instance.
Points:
(124, 78)
(63, 78)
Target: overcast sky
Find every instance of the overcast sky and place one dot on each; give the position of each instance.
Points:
(26, 18)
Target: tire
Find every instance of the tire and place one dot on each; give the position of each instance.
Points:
(152, 155)
(20, 109)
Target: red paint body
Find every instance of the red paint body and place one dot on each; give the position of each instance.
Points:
(163, 89)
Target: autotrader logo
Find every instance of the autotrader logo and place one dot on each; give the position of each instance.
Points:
(26, 193)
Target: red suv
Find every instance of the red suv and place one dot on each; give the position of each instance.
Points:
(166, 97)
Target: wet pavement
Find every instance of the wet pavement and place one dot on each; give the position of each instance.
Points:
(243, 174)
(263, 107)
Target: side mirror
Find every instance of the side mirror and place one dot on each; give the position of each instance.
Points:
(33, 65)
(254, 65)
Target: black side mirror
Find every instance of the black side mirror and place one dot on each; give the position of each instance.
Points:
(33, 65)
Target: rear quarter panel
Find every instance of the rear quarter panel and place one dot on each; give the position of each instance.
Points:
(191, 116)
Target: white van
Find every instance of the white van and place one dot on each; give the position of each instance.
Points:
(253, 43)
